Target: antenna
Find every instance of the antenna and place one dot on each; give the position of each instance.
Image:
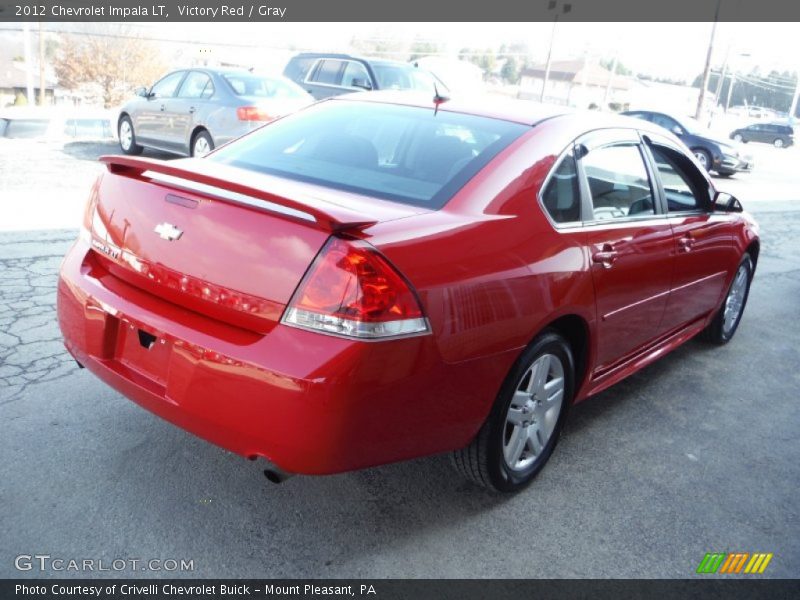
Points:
(438, 99)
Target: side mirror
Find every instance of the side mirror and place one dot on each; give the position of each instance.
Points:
(677, 130)
(141, 91)
(362, 83)
(724, 202)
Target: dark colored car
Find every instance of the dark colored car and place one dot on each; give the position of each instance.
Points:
(192, 111)
(777, 134)
(375, 278)
(714, 155)
(325, 75)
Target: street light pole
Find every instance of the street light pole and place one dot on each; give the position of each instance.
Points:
(551, 6)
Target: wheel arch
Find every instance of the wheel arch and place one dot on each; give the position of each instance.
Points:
(575, 330)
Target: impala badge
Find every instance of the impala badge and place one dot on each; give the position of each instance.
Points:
(168, 231)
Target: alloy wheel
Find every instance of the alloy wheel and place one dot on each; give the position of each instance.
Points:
(125, 135)
(534, 411)
(734, 303)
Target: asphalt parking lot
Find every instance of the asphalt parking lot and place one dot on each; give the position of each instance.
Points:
(697, 453)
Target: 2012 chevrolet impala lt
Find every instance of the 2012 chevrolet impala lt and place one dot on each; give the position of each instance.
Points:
(379, 277)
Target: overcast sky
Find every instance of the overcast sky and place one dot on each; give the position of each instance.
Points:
(675, 50)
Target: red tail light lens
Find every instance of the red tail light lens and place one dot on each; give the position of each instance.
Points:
(352, 290)
(252, 113)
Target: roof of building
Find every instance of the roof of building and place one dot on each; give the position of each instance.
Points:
(580, 72)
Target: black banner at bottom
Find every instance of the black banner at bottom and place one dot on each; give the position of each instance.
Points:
(388, 589)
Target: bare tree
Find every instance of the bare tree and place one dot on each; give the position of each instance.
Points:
(115, 63)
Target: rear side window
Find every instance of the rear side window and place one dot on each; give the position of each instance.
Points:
(246, 84)
(400, 153)
(618, 182)
(297, 68)
(196, 85)
(328, 72)
(561, 197)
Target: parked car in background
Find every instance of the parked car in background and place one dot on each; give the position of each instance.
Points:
(56, 123)
(192, 111)
(381, 276)
(777, 134)
(324, 75)
(714, 155)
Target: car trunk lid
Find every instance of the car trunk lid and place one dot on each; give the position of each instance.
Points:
(219, 240)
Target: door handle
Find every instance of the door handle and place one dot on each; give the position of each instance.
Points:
(685, 244)
(606, 256)
(192, 109)
(163, 107)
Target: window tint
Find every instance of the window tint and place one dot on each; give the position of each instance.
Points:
(684, 187)
(401, 153)
(328, 72)
(394, 77)
(196, 85)
(167, 86)
(246, 84)
(561, 197)
(297, 68)
(618, 182)
(666, 122)
(354, 71)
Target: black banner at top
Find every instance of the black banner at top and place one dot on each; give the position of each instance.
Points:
(399, 11)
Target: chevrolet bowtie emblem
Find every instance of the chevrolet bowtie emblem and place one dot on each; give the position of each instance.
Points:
(168, 232)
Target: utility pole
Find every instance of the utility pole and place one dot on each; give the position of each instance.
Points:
(608, 83)
(41, 66)
(26, 42)
(793, 109)
(552, 6)
(707, 71)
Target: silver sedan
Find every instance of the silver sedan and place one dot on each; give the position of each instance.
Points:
(192, 111)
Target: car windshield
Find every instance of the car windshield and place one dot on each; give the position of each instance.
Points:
(247, 84)
(406, 154)
(397, 77)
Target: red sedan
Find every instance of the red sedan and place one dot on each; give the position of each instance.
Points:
(379, 277)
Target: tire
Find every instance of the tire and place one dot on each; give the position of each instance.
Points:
(505, 456)
(703, 157)
(724, 174)
(127, 137)
(720, 331)
(779, 143)
(202, 144)
(738, 138)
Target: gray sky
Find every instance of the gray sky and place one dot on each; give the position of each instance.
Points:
(674, 50)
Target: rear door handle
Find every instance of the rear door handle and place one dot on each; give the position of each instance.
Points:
(605, 256)
(163, 107)
(192, 109)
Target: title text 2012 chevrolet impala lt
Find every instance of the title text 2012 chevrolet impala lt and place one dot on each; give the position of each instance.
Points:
(381, 277)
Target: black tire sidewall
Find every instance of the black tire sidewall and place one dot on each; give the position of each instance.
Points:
(502, 477)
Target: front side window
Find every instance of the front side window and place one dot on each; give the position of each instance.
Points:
(167, 86)
(402, 153)
(684, 187)
(561, 197)
(618, 182)
(355, 75)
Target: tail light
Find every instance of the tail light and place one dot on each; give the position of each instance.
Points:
(253, 113)
(351, 290)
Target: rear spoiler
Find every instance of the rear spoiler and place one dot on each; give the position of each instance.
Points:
(326, 215)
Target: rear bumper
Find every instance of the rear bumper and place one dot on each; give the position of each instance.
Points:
(309, 403)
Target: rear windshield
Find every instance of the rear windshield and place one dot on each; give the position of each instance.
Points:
(263, 87)
(400, 153)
